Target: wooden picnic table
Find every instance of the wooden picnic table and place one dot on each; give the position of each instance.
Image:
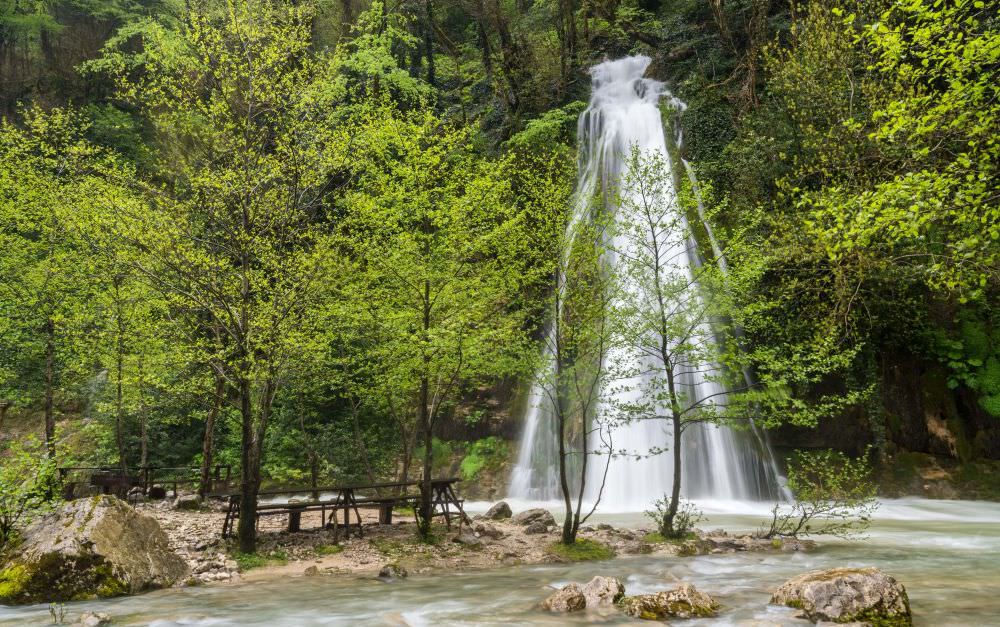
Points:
(346, 498)
(112, 480)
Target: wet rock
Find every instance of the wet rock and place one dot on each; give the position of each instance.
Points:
(683, 601)
(569, 599)
(845, 595)
(604, 527)
(530, 516)
(536, 527)
(392, 571)
(499, 511)
(188, 502)
(93, 619)
(467, 539)
(94, 547)
(603, 591)
(488, 531)
(311, 571)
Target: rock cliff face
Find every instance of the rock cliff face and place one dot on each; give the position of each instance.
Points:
(93, 547)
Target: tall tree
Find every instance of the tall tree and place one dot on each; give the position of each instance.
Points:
(437, 230)
(46, 277)
(243, 100)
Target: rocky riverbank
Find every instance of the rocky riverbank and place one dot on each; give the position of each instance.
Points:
(101, 547)
(492, 540)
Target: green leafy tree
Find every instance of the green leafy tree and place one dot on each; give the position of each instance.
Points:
(437, 230)
(669, 304)
(233, 239)
(47, 176)
(576, 368)
(27, 485)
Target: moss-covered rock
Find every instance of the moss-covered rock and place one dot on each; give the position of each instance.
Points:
(94, 547)
(847, 595)
(569, 599)
(684, 601)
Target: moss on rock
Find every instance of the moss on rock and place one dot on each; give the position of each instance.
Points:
(684, 601)
(90, 548)
(847, 595)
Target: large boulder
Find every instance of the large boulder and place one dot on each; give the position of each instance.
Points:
(845, 595)
(683, 601)
(568, 599)
(498, 511)
(93, 547)
(603, 592)
(537, 514)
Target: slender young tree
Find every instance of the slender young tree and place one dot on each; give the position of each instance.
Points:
(580, 343)
(668, 305)
(575, 372)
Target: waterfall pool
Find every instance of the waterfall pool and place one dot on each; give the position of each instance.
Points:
(946, 553)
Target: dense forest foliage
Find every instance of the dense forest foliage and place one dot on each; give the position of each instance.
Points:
(316, 239)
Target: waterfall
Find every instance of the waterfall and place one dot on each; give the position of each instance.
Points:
(718, 462)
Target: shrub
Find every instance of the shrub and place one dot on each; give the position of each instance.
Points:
(835, 495)
(28, 487)
(680, 524)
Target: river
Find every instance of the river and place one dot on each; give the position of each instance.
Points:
(946, 553)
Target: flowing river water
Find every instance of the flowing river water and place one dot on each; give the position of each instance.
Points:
(946, 553)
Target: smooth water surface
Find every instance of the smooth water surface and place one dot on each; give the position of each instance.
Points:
(946, 553)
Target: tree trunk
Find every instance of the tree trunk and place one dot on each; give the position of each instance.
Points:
(346, 16)
(249, 474)
(120, 402)
(50, 377)
(143, 438)
(208, 441)
(359, 441)
(561, 407)
(429, 40)
(426, 506)
(675, 489)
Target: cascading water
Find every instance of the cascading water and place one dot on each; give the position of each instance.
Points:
(719, 462)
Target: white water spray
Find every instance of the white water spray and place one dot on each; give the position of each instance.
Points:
(719, 463)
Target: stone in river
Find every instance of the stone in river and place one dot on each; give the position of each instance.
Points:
(569, 599)
(392, 571)
(683, 601)
(844, 595)
(603, 591)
